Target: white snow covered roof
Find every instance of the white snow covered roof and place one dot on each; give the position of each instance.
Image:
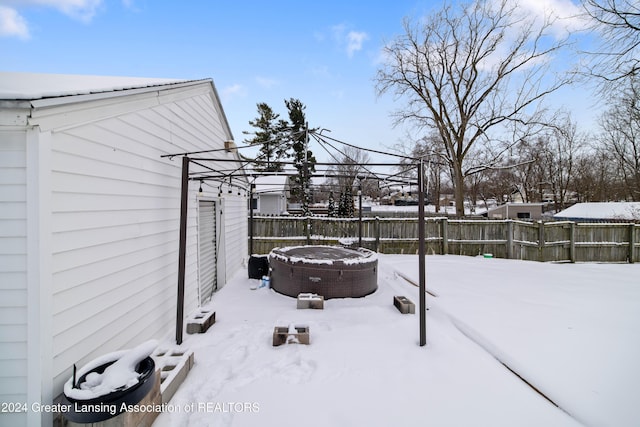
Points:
(30, 86)
(602, 210)
(271, 184)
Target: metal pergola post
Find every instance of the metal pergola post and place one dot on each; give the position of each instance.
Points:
(251, 196)
(182, 252)
(421, 256)
(360, 215)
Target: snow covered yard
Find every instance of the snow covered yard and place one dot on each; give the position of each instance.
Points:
(570, 330)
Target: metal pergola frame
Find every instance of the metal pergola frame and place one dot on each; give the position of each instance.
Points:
(227, 176)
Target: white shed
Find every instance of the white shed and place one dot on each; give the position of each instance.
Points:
(271, 194)
(89, 221)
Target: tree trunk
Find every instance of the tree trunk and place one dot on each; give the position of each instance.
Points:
(458, 189)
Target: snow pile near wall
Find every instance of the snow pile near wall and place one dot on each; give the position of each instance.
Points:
(120, 375)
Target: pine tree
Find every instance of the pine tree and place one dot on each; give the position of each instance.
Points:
(342, 206)
(270, 134)
(350, 208)
(303, 158)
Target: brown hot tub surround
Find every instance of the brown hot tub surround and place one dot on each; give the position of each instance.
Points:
(330, 271)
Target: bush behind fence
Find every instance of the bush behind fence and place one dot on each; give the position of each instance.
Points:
(534, 241)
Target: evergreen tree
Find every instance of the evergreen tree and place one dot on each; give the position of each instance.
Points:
(302, 157)
(332, 206)
(270, 133)
(342, 206)
(348, 199)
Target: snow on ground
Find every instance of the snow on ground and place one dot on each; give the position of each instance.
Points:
(570, 330)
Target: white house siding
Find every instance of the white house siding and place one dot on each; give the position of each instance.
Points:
(13, 276)
(270, 204)
(236, 232)
(115, 219)
(208, 249)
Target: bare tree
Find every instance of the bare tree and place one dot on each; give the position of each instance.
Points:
(430, 149)
(621, 136)
(561, 149)
(618, 22)
(352, 170)
(595, 177)
(465, 72)
(529, 174)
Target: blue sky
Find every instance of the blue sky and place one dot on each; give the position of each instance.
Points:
(324, 53)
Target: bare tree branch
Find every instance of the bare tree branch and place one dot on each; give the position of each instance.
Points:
(467, 72)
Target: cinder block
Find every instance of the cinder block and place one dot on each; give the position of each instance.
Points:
(283, 335)
(308, 300)
(201, 322)
(404, 304)
(174, 366)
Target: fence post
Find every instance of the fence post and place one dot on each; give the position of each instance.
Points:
(632, 242)
(572, 242)
(540, 241)
(445, 238)
(509, 239)
(377, 232)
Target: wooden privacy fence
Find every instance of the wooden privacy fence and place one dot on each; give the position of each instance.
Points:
(534, 241)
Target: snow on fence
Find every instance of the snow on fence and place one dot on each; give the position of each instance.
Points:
(535, 241)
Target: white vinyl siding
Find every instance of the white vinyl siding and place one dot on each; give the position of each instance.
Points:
(115, 225)
(271, 204)
(208, 247)
(236, 232)
(13, 276)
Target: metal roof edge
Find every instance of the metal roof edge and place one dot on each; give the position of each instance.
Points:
(114, 93)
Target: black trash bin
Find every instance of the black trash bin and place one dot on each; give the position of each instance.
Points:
(258, 266)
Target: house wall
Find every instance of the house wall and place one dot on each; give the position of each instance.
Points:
(270, 204)
(13, 270)
(512, 210)
(236, 231)
(114, 218)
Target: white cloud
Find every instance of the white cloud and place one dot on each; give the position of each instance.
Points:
(320, 71)
(564, 14)
(349, 40)
(266, 82)
(12, 24)
(355, 39)
(234, 91)
(81, 10)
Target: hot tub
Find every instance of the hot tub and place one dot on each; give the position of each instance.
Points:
(330, 271)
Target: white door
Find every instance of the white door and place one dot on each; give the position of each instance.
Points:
(207, 249)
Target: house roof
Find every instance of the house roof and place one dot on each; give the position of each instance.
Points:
(271, 184)
(16, 86)
(515, 205)
(602, 210)
(38, 90)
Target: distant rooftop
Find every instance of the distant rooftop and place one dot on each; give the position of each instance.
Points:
(271, 183)
(30, 86)
(602, 210)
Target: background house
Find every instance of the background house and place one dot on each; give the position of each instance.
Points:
(601, 211)
(89, 221)
(525, 211)
(271, 194)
